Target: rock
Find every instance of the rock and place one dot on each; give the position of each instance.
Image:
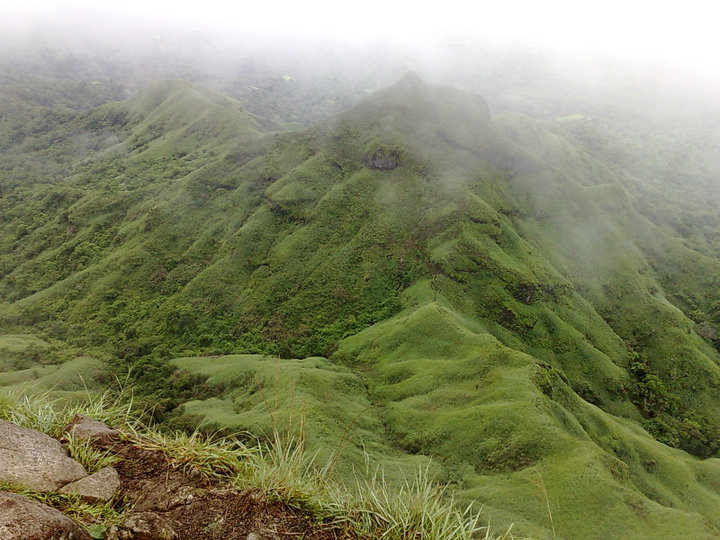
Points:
(24, 519)
(35, 460)
(707, 331)
(385, 158)
(145, 526)
(101, 486)
(83, 427)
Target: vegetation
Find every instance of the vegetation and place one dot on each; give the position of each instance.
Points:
(95, 517)
(517, 306)
(280, 467)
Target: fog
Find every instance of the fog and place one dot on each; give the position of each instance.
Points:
(303, 62)
(673, 34)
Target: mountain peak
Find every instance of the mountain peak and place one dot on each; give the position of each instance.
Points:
(423, 118)
(411, 79)
(442, 103)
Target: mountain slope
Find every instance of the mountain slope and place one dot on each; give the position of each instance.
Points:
(487, 292)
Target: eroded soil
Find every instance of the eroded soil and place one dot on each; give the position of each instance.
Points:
(170, 501)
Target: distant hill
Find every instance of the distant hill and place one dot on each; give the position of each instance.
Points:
(502, 294)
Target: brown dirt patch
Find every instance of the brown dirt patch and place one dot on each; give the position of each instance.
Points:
(172, 501)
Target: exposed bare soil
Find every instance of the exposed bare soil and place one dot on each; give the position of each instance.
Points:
(172, 501)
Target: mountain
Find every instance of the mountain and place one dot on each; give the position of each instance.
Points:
(415, 278)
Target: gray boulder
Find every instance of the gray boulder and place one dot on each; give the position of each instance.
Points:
(24, 519)
(83, 427)
(35, 460)
(101, 486)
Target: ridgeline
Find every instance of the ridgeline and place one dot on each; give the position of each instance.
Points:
(499, 300)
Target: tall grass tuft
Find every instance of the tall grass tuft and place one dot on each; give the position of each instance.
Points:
(50, 414)
(283, 469)
(89, 457)
(417, 509)
(215, 457)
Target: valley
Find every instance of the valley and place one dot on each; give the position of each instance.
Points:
(513, 303)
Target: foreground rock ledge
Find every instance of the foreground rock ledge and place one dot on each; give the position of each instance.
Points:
(24, 519)
(162, 499)
(99, 487)
(35, 460)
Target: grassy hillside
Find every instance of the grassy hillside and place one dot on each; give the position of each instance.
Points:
(414, 280)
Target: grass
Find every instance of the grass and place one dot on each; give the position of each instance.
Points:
(90, 458)
(280, 467)
(265, 395)
(21, 351)
(96, 518)
(540, 484)
(418, 509)
(49, 414)
(286, 470)
(482, 304)
(214, 457)
(443, 384)
(72, 376)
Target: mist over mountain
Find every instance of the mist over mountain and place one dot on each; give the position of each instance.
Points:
(496, 264)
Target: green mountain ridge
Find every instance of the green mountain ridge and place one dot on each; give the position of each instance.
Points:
(483, 291)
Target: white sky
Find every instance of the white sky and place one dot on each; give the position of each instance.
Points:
(684, 33)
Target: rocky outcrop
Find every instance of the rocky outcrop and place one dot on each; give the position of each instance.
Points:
(384, 157)
(707, 331)
(160, 498)
(34, 460)
(83, 427)
(25, 519)
(99, 487)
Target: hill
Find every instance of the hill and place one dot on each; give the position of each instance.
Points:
(493, 293)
